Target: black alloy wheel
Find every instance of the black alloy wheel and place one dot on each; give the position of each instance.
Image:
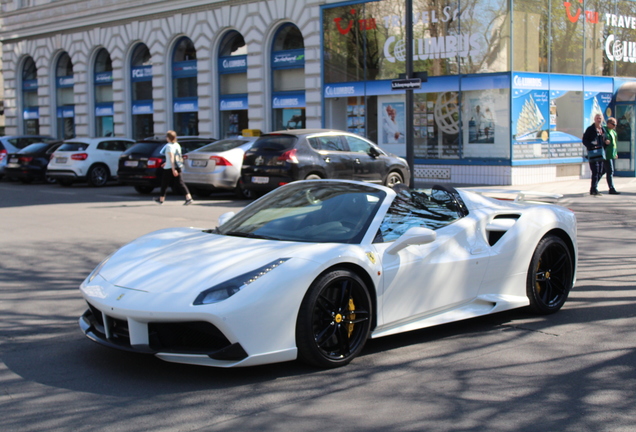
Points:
(393, 178)
(98, 175)
(550, 275)
(334, 320)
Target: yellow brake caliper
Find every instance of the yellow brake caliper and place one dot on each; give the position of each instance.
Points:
(352, 316)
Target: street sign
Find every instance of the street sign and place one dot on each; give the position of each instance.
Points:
(406, 83)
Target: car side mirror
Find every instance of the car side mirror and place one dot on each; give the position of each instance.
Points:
(373, 152)
(413, 236)
(225, 217)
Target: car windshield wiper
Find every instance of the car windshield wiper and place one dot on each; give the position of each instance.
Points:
(250, 235)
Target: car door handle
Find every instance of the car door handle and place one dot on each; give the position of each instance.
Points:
(358, 161)
(327, 159)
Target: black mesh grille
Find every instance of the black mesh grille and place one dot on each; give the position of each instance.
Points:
(195, 337)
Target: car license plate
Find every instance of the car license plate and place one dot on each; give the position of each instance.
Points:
(131, 164)
(60, 160)
(260, 180)
(13, 161)
(199, 163)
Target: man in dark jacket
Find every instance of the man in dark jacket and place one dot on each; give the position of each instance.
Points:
(594, 138)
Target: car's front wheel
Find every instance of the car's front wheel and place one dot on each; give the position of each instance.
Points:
(334, 320)
(98, 175)
(550, 275)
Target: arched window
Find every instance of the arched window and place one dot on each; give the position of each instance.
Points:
(65, 97)
(103, 81)
(184, 88)
(142, 105)
(288, 78)
(233, 84)
(30, 108)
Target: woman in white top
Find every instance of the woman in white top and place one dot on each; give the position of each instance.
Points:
(171, 175)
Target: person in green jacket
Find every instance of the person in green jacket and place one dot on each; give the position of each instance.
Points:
(610, 154)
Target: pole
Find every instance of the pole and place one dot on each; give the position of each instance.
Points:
(410, 157)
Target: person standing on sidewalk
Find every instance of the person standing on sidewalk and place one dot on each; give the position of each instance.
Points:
(171, 175)
(593, 138)
(611, 153)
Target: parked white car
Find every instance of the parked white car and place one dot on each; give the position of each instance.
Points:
(87, 159)
(217, 166)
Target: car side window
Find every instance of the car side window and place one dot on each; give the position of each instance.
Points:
(328, 143)
(358, 145)
(426, 208)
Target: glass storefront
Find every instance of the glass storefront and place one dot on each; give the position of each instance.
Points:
(184, 88)
(30, 106)
(497, 92)
(104, 108)
(142, 102)
(232, 69)
(65, 98)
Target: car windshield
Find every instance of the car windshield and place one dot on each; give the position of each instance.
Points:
(34, 148)
(274, 143)
(223, 145)
(73, 146)
(309, 211)
(428, 208)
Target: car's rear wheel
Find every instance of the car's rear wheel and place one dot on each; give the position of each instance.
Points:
(313, 177)
(145, 190)
(98, 175)
(49, 180)
(550, 275)
(242, 193)
(393, 178)
(334, 320)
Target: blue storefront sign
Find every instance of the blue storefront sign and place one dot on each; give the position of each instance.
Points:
(289, 100)
(184, 69)
(65, 81)
(30, 85)
(31, 113)
(183, 105)
(233, 103)
(104, 109)
(104, 78)
(289, 59)
(141, 73)
(141, 107)
(66, 112)
(233, 64)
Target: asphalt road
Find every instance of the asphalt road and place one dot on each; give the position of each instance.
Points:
(572, 371)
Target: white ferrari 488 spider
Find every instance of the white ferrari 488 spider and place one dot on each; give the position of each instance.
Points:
(313, 269)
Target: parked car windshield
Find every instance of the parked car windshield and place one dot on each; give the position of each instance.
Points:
(143, 149)
(73, 146)
(223, 145)
(309, 211)
(274, 143)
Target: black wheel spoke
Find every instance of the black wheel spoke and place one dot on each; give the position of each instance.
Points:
(343, 340)
(323, 337)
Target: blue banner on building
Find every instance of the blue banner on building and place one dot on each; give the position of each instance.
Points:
(233, 103)
(289, 100)
(233, 64)
(183, 105)
(65, 82)
(289, 59)
(141, 73)
(184, 69)
(530, 109)
(31, 113)
(104, 109)
(30, 85)
(104, 78)
(141, 107)
(66, 112)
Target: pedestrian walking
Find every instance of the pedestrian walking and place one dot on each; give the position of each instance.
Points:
(171, 175)
(594, 138)
(611, 153)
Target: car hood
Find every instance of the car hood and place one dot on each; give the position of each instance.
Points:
(184, 259)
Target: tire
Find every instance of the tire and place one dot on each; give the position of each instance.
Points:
(393, 178)
(26, 180)
(144, 190)
(313, 177)
(49, 180)
(65, 182)
(550, 276)
(98, 175)
(334, 320)
(242, 193)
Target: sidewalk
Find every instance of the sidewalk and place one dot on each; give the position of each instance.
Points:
(578, 188)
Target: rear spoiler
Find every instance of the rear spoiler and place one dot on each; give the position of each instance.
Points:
(519, 195)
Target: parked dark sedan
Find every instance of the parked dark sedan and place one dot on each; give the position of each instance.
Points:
(282, 157)
(140, 165)
(30, 163)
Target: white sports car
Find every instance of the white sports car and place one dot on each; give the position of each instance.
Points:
(315, 268)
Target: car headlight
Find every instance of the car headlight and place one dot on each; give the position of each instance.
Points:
(230, 287)
(95, 272)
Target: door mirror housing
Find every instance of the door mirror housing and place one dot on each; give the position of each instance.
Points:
(225, 217)
(413, 236)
